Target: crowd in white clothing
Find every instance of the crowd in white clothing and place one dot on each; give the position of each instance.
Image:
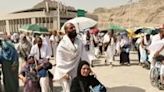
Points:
(69, 48)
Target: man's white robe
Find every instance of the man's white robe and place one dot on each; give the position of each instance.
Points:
(68, 56)
(110, 49)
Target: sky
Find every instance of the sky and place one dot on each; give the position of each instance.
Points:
(7, 6)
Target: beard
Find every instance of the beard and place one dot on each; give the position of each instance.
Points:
(72, 34)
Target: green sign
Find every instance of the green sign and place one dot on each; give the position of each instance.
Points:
(81, 13)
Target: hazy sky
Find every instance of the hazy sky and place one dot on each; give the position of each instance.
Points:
(7, 6)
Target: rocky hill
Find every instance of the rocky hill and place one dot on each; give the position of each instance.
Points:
(141, 13)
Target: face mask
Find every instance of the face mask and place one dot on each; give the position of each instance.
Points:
(72, 34)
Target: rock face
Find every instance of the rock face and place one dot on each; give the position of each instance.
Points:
(141, 13)
(51, 4)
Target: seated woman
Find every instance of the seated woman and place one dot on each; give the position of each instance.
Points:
(84, 81)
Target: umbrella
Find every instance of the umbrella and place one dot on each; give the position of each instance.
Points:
(138, 31)
(116, 27)
(130, 33)
(33, 28)
(81, 23)
(151, 31)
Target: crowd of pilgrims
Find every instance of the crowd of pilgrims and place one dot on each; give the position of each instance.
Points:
(72, 54)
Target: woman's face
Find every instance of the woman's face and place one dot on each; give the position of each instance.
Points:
(85, 70)
(31, 61)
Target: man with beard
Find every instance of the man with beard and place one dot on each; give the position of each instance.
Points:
(69, 54)
(42, 53)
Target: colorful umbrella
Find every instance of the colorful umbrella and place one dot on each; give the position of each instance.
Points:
(130, 33)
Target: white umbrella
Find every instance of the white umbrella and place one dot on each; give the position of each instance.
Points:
(81, 23)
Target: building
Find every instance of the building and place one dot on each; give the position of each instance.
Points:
(44, 13)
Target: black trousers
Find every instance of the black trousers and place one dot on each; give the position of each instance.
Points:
(124, 57)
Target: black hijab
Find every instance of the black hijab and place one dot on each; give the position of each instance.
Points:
(86, 80)
(80, 66)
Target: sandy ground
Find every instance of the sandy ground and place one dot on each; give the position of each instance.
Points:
(131, 78)
(118, 78)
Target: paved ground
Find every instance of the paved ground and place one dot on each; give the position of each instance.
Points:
(118, 78)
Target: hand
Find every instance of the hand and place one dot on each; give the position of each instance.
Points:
(24, 80)
(42, 64)
(156, 54)
(66, 77)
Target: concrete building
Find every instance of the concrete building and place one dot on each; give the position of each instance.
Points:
(44, 13)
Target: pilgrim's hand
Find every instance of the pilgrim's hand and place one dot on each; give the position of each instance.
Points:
(23, 80)
(156, 54)
(66, 77)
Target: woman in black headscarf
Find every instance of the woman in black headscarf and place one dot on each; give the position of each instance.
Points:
(84, 79)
